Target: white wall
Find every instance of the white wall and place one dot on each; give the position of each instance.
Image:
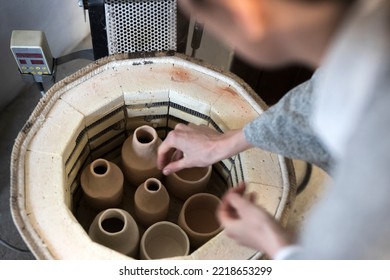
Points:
(211, 50)
(61, 20)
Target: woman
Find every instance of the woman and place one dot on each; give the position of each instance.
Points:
(339, 120)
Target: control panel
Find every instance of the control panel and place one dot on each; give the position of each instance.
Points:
(31, 52)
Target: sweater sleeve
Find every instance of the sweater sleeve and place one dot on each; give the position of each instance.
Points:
(352, 221)
(286, 129)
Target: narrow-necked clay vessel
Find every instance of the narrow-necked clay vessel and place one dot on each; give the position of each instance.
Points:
(151, 201)
(198, 218)
(164, 240)
(102, 183)
(189, 181)
(139, 155)
(116, 229)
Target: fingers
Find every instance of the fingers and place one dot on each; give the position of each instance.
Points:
(168, 147)
(237, 202)
(186, 146)
(177, 155)
(164, 154)
(228, 210)
(174, 166)
(251, 197)
(240, 189)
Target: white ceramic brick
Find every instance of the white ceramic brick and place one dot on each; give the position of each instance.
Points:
(96, 96)
(186, 117)
(218, 121)
(134, 123)
(141, 110)
(47, 201)
(190, 101)
(144, 97)
(149, 81)
(262, 167)
(108, 132)
(59, 131)
(110, 146)
(222, 247)
(231, 110)
(72, 186)
(117, 118)
(72, 169)
(45, 180)
(189, 82)
(267, 197)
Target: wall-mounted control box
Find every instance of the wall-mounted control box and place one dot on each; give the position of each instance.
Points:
(31, 52)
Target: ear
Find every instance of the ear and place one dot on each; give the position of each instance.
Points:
(249, 15)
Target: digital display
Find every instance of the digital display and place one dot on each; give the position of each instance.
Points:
(37, 62)
(29, 55)
(22, 61)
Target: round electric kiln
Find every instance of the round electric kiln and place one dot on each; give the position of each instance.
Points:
(89, 114)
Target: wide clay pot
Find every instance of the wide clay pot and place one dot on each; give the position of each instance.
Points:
(198, 218)
(151, 201)
(139, 155)
(189, 181)
(102, 183)
(116, 229)
(164, 240)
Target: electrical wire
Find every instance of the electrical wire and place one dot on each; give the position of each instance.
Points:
(41, 88)
(12, 247)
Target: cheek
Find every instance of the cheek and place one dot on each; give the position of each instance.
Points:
(266, 53)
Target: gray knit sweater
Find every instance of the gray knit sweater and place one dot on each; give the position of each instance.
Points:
(353, 219)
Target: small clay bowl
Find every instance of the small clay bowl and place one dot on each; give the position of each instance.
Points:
(164, 240)
(189, 181)
(198, 218)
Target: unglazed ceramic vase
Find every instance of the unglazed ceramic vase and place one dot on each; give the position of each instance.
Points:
(198, 218)
(139, 155)
(116, 229)
(151, 201)
(164, 240)
(187, 182)
(102, 183)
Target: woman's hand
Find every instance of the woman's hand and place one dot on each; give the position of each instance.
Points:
(250, 225)
(197, 146)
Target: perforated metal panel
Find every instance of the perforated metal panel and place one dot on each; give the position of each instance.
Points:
(140, 25)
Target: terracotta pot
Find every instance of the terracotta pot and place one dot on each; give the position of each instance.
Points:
(116, 229)
(187, 182)
(102, 183)
(198, 218)
(139, 155)
(151, 201)
(164, 240)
